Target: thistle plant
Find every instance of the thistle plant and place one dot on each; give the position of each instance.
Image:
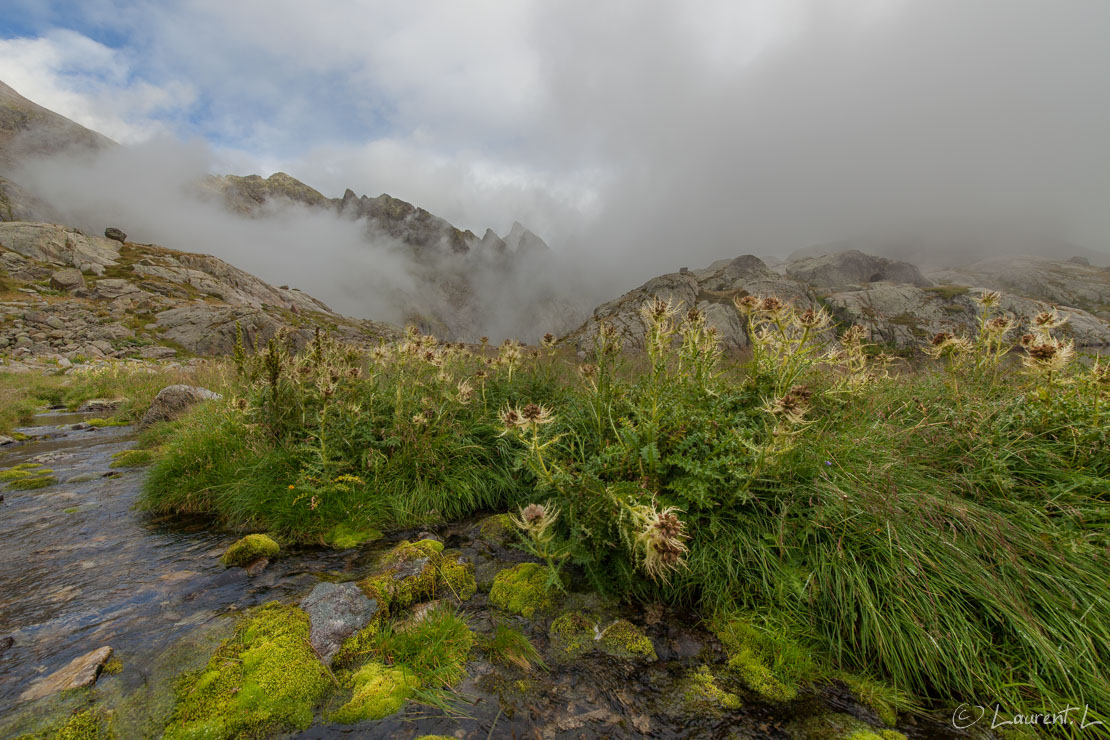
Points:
(990, 344)
(656, 536)
(525, 424)
(537, 523)
(786, 343)
(700, 354)
(860, 367)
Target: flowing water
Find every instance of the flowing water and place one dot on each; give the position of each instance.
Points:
(80, 569)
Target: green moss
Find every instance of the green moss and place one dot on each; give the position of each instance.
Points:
(574, 633)
(30, 484)
(133, 458)
(98, 422)
(345, 536)
(839, 727)
(266, 679)
(112, 667)
(883, 700)
(766, 662)
(947, 292)
(23, 471)
(622, 639)
(700, 692)
(377, 691)
(71, 510)
(358, 646)
(522, 589)
(435, 737)
(249, 549)
(400, 585)
(498, 528)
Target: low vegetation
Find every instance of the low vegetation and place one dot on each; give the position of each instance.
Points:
(937, 533)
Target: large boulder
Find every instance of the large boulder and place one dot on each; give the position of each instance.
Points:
(59, 245)
(115, 234)
(336, 611)
(172, 401)
(69, 280)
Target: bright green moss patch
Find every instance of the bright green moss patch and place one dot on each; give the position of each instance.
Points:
(622, 639)
(133, 458)
(112, 667)
(30, 484)
(23, 471)
(839, 727)
(766, 662)
(418, 571)
(700, 692)
(522, 589)
(89, 724)
(345, 536)
(99, 423)
(266, 679)
(359, 646)
(249, 549)
(498, 528)
(575, 633)
(883, 700)
(377, 691)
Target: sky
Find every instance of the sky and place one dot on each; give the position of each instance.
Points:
(640, 135)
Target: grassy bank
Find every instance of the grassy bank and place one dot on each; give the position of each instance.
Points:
(24, 394)
(942, 530)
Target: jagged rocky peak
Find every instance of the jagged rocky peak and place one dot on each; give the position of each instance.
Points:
(853, 267)
(520, 240)
(246, 194)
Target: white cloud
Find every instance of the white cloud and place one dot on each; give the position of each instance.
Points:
(91, 84)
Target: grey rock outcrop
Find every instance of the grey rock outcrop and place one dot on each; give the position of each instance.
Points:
(852, 267)
(115, 234)
(172, 401)
(335, 612)
(69, 279)
(59, 245)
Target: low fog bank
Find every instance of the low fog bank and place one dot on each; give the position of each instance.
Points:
(154, 193)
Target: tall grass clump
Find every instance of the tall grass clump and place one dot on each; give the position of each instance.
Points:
(941, 528)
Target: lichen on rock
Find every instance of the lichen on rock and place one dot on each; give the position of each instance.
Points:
(250, 548)
(523, 589)
(263, 680)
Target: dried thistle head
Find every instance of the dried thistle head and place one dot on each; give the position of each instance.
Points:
(587, 371)
(1048, 320)
(1048, 354)
(536, 415)
(656, 312)
(465, 390)
(747, 305)
(511, 418)
(548, 340)
(999, 327)
(793, 405)
(853, 334)
(813, 319)
(419, 419)
(772, 304)
(988, 298)
(536, 521)
(661, 541)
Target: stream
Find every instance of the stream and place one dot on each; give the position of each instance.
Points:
(81, 569)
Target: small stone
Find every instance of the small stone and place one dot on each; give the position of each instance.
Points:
(257, 567)
(78, 673)
(336, 611)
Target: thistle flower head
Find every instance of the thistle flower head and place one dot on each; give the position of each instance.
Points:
(814, 319)
(793, 405)
(772, 304)
(548, 340)
(988, 299)
(536, 520)
(661, 540)
(853, 334)
(465, 390)
(1048, 320)
(999, 326)
(1048, 354)
(511, 418)
(535, 414)
(747, 305)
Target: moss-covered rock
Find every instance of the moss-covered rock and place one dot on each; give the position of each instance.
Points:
(836, 726)
(32, 483)
(523, 589)
(132, 458)
(575, 633)
(497, 529)
(263, 680)
(250, 548)
(28, 477)
(700, 693)
(769, 665)
(344, 536)
(87, 724)
(377, 691)
(418, 571)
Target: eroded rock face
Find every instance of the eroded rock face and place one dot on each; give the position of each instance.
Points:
(68, 280)
(336, 611)
(59, 245)
(78, 673)
(172, 401)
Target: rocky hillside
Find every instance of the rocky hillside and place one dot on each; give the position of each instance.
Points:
(892, 300)
(68, 294)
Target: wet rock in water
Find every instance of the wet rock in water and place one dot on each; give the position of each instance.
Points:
(5, 440)
(257, 567)
(100, 405)
(7, 641)
(172, 401)
(576, 633)
(249, 549)
(336, 611)
(78, 673)
(115, 234)
(417, 571)
(69, 279)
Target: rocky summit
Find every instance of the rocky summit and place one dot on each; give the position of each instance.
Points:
(893, 301)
